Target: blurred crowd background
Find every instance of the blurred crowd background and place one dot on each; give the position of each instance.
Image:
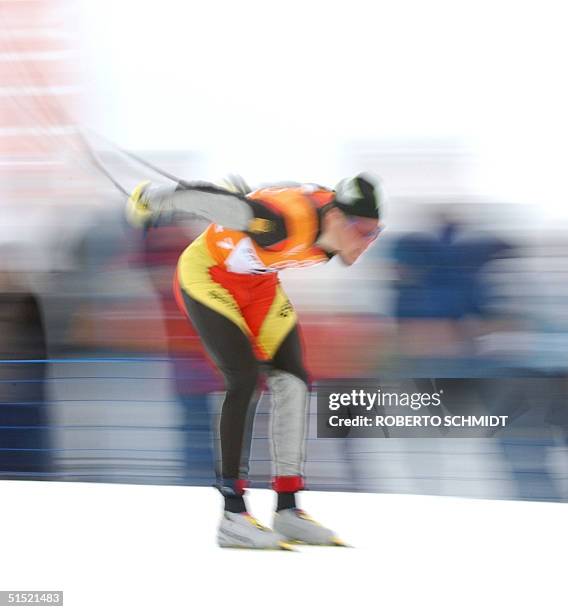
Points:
(102, 379)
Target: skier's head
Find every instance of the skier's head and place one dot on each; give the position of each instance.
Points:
(352, 221)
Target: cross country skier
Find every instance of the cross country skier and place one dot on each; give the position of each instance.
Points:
(227, 284)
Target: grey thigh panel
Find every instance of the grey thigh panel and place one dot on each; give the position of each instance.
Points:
(288, 423)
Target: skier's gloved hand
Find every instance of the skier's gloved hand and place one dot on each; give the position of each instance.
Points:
(147, 205)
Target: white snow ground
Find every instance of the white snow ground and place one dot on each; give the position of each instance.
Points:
(137, 548)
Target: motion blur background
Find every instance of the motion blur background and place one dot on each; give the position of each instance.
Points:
(459, 107)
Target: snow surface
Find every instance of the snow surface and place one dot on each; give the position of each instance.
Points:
(137, 548)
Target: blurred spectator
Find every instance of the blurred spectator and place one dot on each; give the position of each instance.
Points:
(24, 433)
(194, 376)
(441, 294)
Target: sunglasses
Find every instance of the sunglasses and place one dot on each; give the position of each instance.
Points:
(369, 235)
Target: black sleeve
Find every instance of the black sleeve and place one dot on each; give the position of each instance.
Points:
(267, 227)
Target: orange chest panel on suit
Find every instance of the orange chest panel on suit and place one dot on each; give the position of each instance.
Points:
(237, 252)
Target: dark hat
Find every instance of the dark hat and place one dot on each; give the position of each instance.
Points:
(359, 196)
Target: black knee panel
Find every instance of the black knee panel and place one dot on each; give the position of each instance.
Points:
(242, 380)
(289, 357)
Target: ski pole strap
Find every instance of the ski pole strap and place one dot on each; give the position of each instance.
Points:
(95, 159)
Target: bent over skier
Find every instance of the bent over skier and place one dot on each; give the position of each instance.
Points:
(227, 285)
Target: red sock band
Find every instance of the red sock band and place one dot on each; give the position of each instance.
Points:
(232, 486)
(287, 484)
(240, 486)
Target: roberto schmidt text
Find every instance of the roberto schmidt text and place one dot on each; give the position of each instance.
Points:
(380, 420)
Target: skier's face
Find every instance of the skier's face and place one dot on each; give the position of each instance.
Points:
(355, 235)
(348, 237)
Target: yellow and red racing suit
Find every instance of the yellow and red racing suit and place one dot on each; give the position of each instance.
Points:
(235, 273)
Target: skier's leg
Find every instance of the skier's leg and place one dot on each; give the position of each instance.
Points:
(230, 349)
(232, 353)
(288, 383)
